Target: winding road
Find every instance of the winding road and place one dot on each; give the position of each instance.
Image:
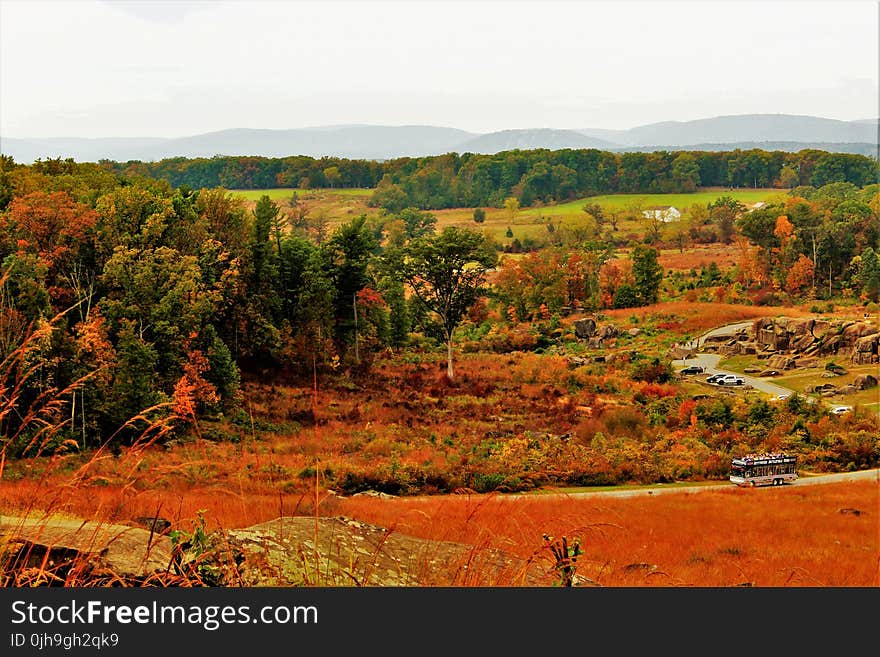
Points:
(709, 362)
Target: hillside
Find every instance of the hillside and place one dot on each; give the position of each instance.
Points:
(377, 142)
(750, 127)
(508, 140)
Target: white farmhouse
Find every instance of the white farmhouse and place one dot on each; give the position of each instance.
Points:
(663, 213)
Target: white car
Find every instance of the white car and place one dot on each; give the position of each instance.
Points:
(840, 410)
(730, 380)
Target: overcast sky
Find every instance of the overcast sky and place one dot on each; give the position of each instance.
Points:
(125, 68)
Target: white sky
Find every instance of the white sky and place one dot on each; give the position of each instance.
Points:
(126, 68)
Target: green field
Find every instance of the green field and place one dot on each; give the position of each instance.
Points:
(680, 201)
(611, 201)
(339, 205)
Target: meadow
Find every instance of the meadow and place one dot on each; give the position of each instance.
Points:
(340, 205)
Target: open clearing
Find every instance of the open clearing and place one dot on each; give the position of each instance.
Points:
(340, 205)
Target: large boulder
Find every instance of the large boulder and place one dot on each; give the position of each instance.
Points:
(864, 381)
(819, 328)
(852, 332)
(585, 328)
(799, 327)
(94, 549)
(607, 331)
(284, 552)
(867, 343)
(287, 551)
(780, 362)
(802, 342)
(864, 358)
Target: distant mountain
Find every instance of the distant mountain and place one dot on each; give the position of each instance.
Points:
(748, 128)
(376, 142)
(859, 148)
(356, 142)
(81, 149)
(508, 140)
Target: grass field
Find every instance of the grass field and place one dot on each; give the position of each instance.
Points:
(681, 201)
(339, 205)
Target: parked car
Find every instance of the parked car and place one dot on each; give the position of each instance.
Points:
(840, 410)
(713, 378)
(731, 380)
(692, 369)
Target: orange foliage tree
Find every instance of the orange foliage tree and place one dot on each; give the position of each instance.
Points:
(799, 275)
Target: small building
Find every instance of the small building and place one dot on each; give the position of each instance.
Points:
(663, 213)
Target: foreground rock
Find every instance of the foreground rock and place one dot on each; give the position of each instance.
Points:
(57, 551)
(288, 551)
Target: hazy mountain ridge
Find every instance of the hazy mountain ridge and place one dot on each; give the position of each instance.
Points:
(376, 142)
(549, 138)
(751, 127)
(858, 148)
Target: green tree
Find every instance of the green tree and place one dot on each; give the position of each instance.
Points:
(479, 215)
(416, 223)
(625, 296)
(349, 254)
(447, 273)
(647, 274)
(869, 274)
(332, 176)
(686, 173)
(393, 292)
(724, 211)
(788, 177)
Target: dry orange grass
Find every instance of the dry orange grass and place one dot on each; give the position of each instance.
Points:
(826, 535)
(700, 255)
(795, 536)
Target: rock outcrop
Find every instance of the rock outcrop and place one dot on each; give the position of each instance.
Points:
(287, 551)
(788, 343)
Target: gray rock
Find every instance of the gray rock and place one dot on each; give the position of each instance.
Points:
(584, 328)
(865, 381)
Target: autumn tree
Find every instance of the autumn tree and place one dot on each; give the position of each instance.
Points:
(511, 205)
(447, 274)
(724, 211)
(799, 276)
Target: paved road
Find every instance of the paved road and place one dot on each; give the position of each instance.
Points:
(803, 480)
(709, 362)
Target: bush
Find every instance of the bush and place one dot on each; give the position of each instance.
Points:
(653, 371)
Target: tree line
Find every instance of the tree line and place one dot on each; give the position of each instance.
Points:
(531, 176)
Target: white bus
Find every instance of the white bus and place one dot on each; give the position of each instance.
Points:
(763, 470)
